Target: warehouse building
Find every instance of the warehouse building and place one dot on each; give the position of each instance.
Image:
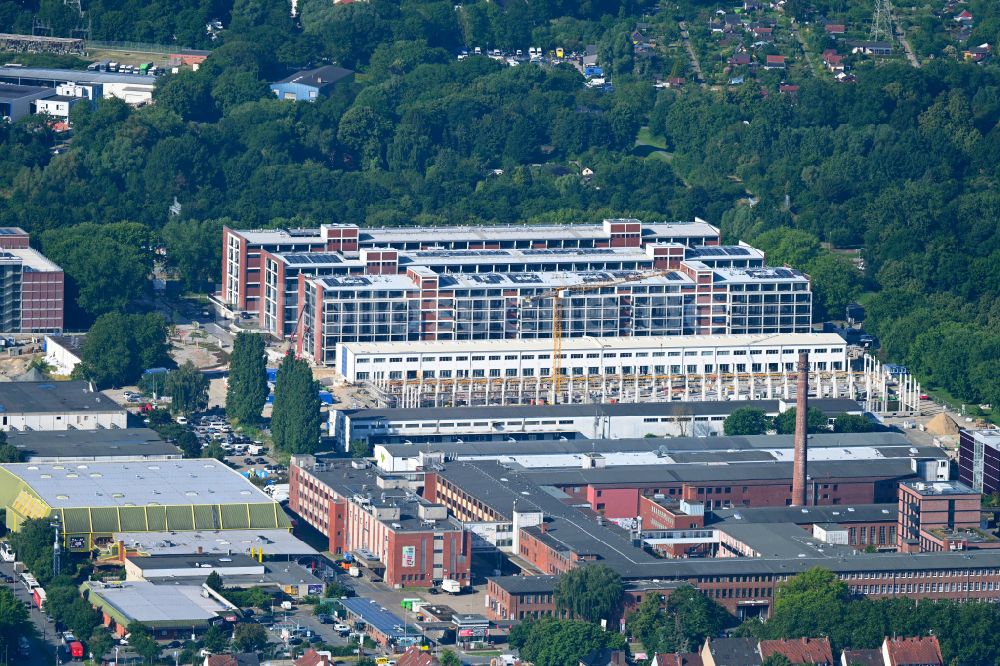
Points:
(51, 405)
(81, 446)
(268, 543)
(601, 369)
(167, 610)
(237, 570)
(242, 249)
(96, 500)
(132, 88)
(520, 422)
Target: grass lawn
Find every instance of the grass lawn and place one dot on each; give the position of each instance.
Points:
(648, 144)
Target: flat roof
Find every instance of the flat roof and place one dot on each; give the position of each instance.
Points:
(194, 561)
(35, 260)
(165, 483)
(320, 77)
(274, 542)
(840, 514)
(157, 605)
(940, 488)
(53, 397)
(591, 343)
(382, 620)
(14, 91)
(620, 409)
(990, 438)
(75, 75)
(781, 540)
(88, 445)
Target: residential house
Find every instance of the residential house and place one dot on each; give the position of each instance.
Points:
(964, 18)
(316, 658)
(308, 85)
(774, 62)
(677, 659)
(763, 33)
(978, 53)
(912, 651)
(740, 60)
(239, 659)
(730, 652)
(833, 61)
(414, 656)
(800, 651)
(788, 88)
(861, 658)
(835, 29)
(872, 48)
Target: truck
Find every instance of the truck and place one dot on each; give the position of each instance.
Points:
(76, 650)
(38, 596)
(255, 449)
(451, 586)
(407, 604)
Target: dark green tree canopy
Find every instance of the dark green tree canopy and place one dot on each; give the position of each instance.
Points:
(853, 423)
(188, 389)
(553, 642)
(816, 421)
(592, 592)
(247, 390)
(119, 347)
(746, 421)
(295, 418)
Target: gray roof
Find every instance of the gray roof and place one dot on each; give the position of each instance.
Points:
(13, 91)
(321, 77)
(274, 542)
(668, 445)
(155, 604)
(166, 483)
(701, 408)
(206, 562)
(52, 397)
(89, 445)
(856, 513)
(781, 540)
(75, 75)
(735, 651)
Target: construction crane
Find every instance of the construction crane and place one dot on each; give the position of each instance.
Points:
(559, 295)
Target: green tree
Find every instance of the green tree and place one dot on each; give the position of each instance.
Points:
(813, 603)
(119, 347)
(142, 642)
(14, 621)
(188, 443)
(449, 658)
(777, 659)
(214, 581)
(9, 453)
(360, 448)
(591, 592)
(100, 643)
(853, 423)
(215, 639)
(247, 391)
(554, 642)
(295, 419)
(193, 250)
(213, 450)
(746, 421)
(816, 421)
(33, 545)
(249, 637)
(188, 389)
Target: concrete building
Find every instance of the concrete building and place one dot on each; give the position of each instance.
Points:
(132, 88)
(311, 84)
(55, 405)
(942, 516)
(83, 446)
(17, 101)
(58, 106)
(281, 271)
(979, 460)
(426, 306)
(96, 500)
(167, 610)
(626, 369)
(611, 420)
(62, 352)
(242, 250)
(268, 543)
(237, 569)
(31, 286)
(406, 540)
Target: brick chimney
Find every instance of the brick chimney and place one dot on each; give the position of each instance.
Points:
(801, 432)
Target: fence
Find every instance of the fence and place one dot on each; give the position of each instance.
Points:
(133, 47)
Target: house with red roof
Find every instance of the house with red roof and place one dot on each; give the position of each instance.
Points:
(774, 62)
(835, 28)
(912, 651)
(800, 650)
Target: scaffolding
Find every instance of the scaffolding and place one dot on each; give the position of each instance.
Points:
(41, 43)
(881, 389)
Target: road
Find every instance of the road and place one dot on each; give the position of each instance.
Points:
(805, 47)
(910, 55)
(690, 49)
(44, 647)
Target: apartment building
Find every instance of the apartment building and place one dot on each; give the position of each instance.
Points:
(242, 264)
(32, 288)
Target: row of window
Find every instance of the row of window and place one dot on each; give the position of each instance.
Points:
(596, 355)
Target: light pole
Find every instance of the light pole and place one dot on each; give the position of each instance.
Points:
(176, 658)
(116, 655)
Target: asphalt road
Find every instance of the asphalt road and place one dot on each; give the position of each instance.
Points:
(47, 641)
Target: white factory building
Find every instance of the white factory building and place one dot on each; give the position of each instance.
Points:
(51, 405)
(597, 369)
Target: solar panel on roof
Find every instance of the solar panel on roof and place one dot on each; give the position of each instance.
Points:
(737, 251)
(10, 231)
(524, 278)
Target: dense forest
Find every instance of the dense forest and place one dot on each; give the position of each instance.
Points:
(903, 165)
